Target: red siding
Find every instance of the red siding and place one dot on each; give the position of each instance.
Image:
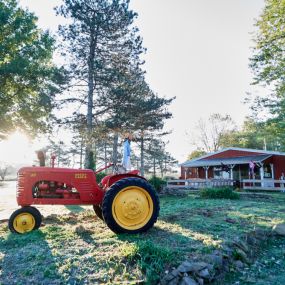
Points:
(278, 162)
(232, 153)
(279, 166)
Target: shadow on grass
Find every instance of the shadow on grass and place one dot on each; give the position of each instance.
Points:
(74, 208)
(27, 259)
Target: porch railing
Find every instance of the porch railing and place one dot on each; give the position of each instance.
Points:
(264, 184)
(199, 183)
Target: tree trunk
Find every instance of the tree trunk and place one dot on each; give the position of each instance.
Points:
(91, 61)
(154, 170)
(115, 148)
(81, 153)
(105, 153)
(142, 156)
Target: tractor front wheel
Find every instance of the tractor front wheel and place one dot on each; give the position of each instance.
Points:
(131, 205)
(25, 220)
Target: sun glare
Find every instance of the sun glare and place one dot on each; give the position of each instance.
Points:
(17, 149)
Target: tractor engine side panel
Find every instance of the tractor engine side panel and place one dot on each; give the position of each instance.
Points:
(44, 185)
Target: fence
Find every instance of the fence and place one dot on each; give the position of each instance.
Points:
(199, 183)
(264, 184)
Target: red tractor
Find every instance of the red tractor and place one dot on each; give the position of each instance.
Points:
(126, 202)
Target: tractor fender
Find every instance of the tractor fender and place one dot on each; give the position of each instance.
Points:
(109, 180)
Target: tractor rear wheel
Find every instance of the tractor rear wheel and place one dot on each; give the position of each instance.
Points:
(131, 205)
(98, 211)
(25, 220)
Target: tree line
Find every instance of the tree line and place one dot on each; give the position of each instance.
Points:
(100, 92)
(265, 127)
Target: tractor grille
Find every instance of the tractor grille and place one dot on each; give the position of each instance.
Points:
(20, 184)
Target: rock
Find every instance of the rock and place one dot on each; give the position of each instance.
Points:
(204, 273)
(198, 266)
(174, 272)
(242, 256)
(200, 281)
(216, 260)
(188, 281)
(186, 266)
(174, 281)
(210, 267)
(172, 276)
(279, 229)
(227, 251)
(251, 240)
(260, 234)
(239, 264)
(241, 244)
(229, 220)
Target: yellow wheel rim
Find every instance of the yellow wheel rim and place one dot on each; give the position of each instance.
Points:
(132, 208)
(24, 222)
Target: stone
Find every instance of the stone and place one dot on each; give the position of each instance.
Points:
(188, 281)
(198, 266)
(186, 266)
(279, 229)
(239, 264)
(204, 273)
(241, 244)
(242, 256)
(251, 240)
(173, 275)
(200, 281)
(216, 260)
(174, 281)
(210, 267)
(260, 234)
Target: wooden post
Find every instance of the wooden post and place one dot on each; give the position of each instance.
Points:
(261, 172)
(231, 171)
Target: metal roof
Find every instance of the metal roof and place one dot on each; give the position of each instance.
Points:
(226, 161)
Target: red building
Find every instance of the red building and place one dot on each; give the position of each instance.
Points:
(237, 164)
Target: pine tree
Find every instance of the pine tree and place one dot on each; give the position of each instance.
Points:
(101, 31)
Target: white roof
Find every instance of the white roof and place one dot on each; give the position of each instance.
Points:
(234, 148)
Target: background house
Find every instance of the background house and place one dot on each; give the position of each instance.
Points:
(237, 164)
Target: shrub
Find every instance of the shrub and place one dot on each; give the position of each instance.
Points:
(219, 193)
(100, 176)
(157, 183)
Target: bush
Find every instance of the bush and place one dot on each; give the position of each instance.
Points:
(100, 176)
(157, 183)
(219, 193)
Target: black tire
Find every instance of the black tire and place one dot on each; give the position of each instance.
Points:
(35, 213)
(38, 213)
(98, 211)
(115, 189)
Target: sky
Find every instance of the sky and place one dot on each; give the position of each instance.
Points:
(197, 51)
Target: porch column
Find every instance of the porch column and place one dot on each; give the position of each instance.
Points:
(261, 172)
(272, 170)
(231, 171)
(206, 171)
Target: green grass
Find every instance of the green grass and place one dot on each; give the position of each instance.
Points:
(219, 193)
(80, 249)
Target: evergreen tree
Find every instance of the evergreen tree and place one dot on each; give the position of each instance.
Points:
(101, 31)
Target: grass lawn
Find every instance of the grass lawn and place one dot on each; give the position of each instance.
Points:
(79, 249)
